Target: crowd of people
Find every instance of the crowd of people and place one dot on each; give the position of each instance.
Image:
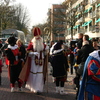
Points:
(77, 56)
(29, 65)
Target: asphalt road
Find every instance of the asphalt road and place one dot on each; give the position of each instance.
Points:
(48, 94)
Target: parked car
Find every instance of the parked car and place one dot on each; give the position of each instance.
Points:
(3, 40)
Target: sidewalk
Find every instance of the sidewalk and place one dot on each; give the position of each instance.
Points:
(48, 94)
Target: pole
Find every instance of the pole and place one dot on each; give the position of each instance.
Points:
(1, 26)
(58, 36)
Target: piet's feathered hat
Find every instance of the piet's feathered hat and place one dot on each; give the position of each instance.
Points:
(36, 31)
(57, 46)
(12, 40)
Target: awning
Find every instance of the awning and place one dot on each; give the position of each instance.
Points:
(97, 20)
(76, 26)
(69, 28)
(77, 16)
(77, 5)
(98, 5)
(87, 23)
(87, 10)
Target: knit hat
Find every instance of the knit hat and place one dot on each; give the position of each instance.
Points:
(36, 31)
(57, 46)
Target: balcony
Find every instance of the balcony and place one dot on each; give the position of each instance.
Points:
(95, 13)
(90, 15)
(87, 19)
(91, 28)
(80, 9)
(95, 28)
(79, 21)
(81, 30)
(94, 1)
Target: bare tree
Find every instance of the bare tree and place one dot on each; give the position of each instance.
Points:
(6, 13)
(22, 17)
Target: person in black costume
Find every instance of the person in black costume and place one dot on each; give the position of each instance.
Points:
(60, 65)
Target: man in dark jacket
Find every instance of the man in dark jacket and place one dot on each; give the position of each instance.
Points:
(0, 43)
(83, 53)
(80, 40)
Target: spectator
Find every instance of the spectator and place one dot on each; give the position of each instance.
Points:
(83, 53)
(80, 40)
(66, 52)
(86, 38)
(95, 44)
(1, 44)
(22, 49)
(72, 59)
(3, 48)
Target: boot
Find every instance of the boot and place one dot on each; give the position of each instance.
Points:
(12, 87)
(62, 91)
(57, 90)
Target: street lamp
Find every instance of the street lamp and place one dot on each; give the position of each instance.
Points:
(1, 24)
(58, 36)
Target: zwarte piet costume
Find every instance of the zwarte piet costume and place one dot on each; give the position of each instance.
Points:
(59, 63)
(90, 86)
(13, 58)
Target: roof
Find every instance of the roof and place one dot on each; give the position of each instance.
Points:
(10, 31)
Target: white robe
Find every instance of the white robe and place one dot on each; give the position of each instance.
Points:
(35, 80)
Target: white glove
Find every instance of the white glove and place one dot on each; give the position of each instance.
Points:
(31, 53)
(34, 53)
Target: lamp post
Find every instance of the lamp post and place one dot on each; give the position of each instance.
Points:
(1, 27)
(58, 36)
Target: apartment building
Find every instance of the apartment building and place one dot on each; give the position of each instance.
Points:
(56, 19)
(83, 16)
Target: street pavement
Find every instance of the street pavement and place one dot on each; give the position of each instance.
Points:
(48, 94)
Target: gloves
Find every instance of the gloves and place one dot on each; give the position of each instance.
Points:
(34, 53)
